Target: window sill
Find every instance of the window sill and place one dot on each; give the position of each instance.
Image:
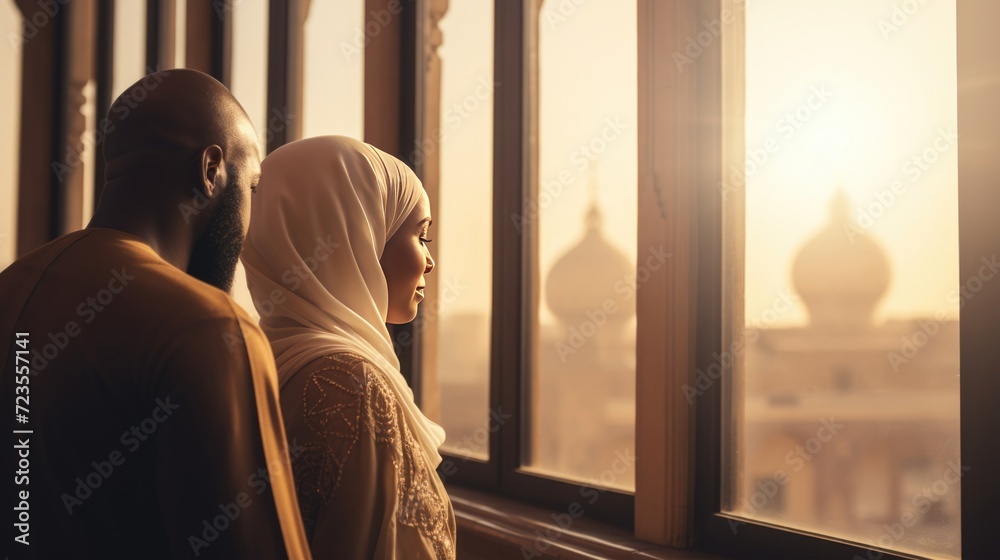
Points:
(496, 523)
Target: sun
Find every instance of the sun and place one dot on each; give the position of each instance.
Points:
(840, 144)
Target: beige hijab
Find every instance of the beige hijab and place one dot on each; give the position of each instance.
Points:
(320, 219)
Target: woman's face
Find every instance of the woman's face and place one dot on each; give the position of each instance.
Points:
(405, 261)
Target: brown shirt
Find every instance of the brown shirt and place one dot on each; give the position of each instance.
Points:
(153, 407)
(365, 486)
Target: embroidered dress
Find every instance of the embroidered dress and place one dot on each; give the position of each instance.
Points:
(364, 486)
(363, 453)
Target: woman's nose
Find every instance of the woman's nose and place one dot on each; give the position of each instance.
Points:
(430, 264)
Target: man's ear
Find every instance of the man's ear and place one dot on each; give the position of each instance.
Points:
(213, 171)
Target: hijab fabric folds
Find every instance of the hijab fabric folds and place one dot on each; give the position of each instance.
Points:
(320, 219)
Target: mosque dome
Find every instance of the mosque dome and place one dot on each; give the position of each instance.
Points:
(842, 273)
(584, 278)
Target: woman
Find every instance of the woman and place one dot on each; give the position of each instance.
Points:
(337, 247)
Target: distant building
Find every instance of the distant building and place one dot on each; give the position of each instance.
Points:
(585, 386)
(582, 393)
(856, 418)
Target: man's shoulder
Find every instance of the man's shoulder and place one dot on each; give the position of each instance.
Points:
(185, 296)
(36, 260)
(153, 285)
(87, 263)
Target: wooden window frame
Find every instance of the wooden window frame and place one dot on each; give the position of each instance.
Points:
(978, 230)
(161, 32)
(426, 35)
(683, 149)
(515, 181)
(285, 60)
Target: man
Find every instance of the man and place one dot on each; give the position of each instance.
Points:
(150, 425)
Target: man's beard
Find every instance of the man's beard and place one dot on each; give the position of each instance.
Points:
(216, 253)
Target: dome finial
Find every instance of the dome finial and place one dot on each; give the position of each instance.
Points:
(593, 220)
(600, 262)
(841, 279)
(840, 207)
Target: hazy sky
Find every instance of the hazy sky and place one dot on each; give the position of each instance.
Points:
(860, 138)
(583, 84)
(589, 88)
(334, 69)
(464, 231)
(890, 92)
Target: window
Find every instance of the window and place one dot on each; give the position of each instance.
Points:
(844, 290)
(847, 256)
(580, 229)
(455, 321)
(563, 175)
(249, 85)
(130, 40)
(747, 261)
(716, 272)
(10, 100)
(333, 76)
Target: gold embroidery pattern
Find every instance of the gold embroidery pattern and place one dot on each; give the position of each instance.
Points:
(332, 400)
(340, 403)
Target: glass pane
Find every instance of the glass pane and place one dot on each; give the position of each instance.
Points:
(464, 271)
(334, 74)
(249, 85)
(74, 169)
(180, 34)
(130, 45)
(581, 387)
(844, 337)
(10, 101)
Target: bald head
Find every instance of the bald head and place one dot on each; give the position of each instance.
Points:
(162, 121)
(181, 160)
